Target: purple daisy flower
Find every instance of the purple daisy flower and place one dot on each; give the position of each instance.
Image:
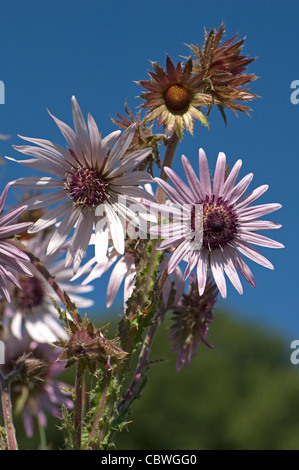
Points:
(32, 308)
(191, 320)
(93, 181)
(37, 391)
(227, 224)
(12, 258)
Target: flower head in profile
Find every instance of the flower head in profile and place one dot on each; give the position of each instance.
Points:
(12, 258)
(224, 71)
(92, 180)
(37, 390)
(226, 227)
(32, 309)
(88, 346)
(191, 320)
(174, 97)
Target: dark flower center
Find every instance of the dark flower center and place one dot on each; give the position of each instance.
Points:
(176, 97)
(32, 295)
(220, 224)
(86, 187)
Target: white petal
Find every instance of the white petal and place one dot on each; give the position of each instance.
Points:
(202, 267)
(217, 271)
(134, 178)
(52, 146)
(81, 130)
(16, 325)
(95, 139)
(63, 230)
(52, 216)
(70, 137)
(45, 166)
(120, 147)
(44, 200)
(106, 145)
(80, 239)
(101, 241)
(116, 229)
(128, 163)
(42, 182)
(116, 278)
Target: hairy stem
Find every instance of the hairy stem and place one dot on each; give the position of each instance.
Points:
(142, 364)
(101, 408)
(167, 162)
(78, 407)
(50, 279)
(7, 413)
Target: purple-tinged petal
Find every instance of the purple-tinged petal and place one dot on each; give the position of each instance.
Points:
(3, 197)
(254, 225)
(231, 179)
(204, 173)
(253, 212)
(178, 256)
(191, 264)
(193, 181)
(170, 191)
(230, 270)
(168, 243)
(257, 239)
(251, 253)
(252, 197)
(180, 186)
(219, 175)
(241, 265)
(240, 189)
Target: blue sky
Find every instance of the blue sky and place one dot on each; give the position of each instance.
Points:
(97, 49)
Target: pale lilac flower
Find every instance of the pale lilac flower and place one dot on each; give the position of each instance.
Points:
(12, 258)
(227, 224)
(32, 308)
(91, 180)
(191, 320)
(37, 391)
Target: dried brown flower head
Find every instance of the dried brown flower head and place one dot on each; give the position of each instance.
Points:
(224, 71)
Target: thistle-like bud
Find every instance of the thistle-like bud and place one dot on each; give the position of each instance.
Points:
(191, 320)
(143, 138)
(88, 345)
(224, 71)
(31, 369)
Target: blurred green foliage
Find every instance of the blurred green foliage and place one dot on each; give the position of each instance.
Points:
(241, 395)
(244, 394)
